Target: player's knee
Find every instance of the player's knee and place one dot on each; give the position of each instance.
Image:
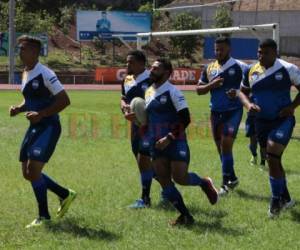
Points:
(32, 174)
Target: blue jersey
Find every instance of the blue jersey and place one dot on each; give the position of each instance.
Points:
(162, 105)
(39, 86)
(132, 88)
(232, 73)
(271, 87)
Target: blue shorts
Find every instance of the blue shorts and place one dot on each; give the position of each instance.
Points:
(225, 123)
(177, 150)
(279, 130)
(40, 141)
(250, 125)
(139, 141)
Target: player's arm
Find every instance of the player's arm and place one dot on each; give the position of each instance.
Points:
(15, 110)
(243, 94)
(294, 73)
(125, 107)
(61, 98)
(204, 85)
(61, 101)
(184, 120)
(123, 103)
(203, 88)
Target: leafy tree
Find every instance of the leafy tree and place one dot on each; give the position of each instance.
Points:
(223, 17)
(185, 46)
(25, 21)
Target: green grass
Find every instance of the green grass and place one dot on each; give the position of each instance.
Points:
(93, 157)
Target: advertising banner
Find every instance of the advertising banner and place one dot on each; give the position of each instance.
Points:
(104, 24)
(117, 75)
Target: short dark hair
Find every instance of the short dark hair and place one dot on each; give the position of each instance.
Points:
(268, 43)
(34, 41)
(166, 63)
(223, 39)
(138, 55)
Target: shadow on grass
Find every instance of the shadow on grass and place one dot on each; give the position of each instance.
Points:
(216, 227)
(243, 194)
(291, 172)
(295, 215)
(71, 226)
(217, 214)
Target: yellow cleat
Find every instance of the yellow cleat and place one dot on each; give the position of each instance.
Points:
(65, 204)
(253, 160)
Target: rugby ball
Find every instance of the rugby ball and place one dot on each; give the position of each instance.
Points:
(138, 107)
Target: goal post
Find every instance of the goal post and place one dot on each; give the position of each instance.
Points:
(274, 27)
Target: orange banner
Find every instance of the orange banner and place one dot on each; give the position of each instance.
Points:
(116, 75)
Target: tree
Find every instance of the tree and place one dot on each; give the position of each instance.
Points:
(27, 22)
(185, 46)
(223, 17)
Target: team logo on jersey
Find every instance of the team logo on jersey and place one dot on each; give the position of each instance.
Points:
(182, 153)
(254, 76)
(146, 144)
(279, 134)
(278, 76)
(37, 151)
(35, 84)
(231, 72)
(163, 99)
(213, 72)
(230, 129)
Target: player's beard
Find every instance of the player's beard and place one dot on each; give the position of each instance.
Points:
(156, 78)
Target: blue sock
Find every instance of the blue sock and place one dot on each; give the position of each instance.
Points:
(194, 180)
(55, 188)
(227, 166)
(146, 181)
(277, 186)
(175, 198)
(253, 149)
(40, 190)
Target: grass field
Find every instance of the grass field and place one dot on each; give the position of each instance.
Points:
(93, 157)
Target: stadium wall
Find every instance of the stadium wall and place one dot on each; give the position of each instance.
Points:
(288, 21)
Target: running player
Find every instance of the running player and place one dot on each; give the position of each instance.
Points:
(44, 98)
(219, 78)
(135, 85)
(270, 81)
(168, 117)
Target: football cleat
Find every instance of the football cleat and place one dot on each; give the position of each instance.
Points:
(233, 183)
(38, 222)
(182, 220)
(209, 189)
(223, 190)
(140, 203)
(253, 160)
(287, 204)
(65, 204)
(274, 208)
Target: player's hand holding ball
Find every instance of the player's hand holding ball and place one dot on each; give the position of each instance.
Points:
(253, 108)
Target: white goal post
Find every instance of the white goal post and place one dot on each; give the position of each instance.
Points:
(274, 27)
